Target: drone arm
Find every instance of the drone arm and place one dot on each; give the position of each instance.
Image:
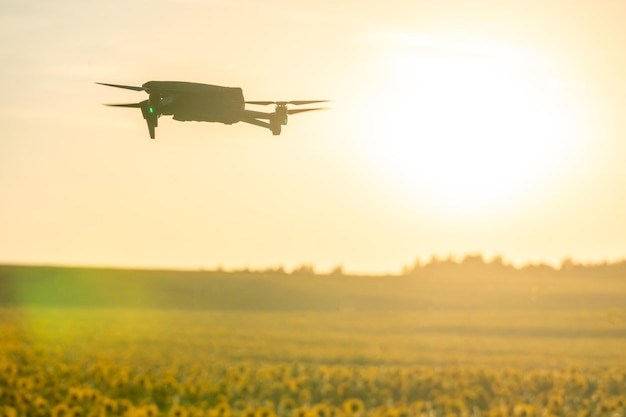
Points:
(256, 122)
(251, 114)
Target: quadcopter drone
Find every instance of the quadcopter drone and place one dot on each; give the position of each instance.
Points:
(187, 101)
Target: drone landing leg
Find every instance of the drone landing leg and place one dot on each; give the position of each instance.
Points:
(152, 123)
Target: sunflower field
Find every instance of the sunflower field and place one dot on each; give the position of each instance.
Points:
(79, 362)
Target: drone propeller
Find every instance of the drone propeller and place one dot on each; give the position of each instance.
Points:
(284, 103)
(132, 105)
(127, 87)
(296, 111)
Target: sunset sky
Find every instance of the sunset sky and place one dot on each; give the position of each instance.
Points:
(456, 127)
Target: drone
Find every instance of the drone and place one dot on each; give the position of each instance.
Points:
(188, 101)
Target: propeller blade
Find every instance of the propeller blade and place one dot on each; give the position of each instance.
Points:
(299, 102)
(127, 87)
(284, 103)
(261, 103)
(132, 105)
(296, 111)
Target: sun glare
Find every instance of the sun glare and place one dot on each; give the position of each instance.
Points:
(465, 133)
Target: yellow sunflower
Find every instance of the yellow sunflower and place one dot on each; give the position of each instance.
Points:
(41, 406)
(8, 411)
(248, 412)
(353, 407)
(76, 412)
(144, 382)
(135, 412)
(264, 412)
(25, 384)
(300, 412)
(305, 396)
(178, 411)
(109, 406)
(286, 405)
(320, 410)
(91, 396)
(523, 410)
(220, 410)
(60, 410)
(74, 396)
(151, 410)
(123, 405)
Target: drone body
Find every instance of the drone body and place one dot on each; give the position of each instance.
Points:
(187, 101)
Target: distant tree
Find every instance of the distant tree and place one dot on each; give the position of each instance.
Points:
(498, 266)
(450, 260)
(435, 263)
(567, 264)
(541, 269)
(336, 271)
(414, 269)
(473, 259)
(304, 269)
(275, 270)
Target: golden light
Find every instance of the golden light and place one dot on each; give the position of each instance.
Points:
(464, 131)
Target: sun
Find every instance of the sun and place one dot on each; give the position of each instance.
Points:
(466, 133)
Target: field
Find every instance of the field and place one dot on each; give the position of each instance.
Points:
(524, 345)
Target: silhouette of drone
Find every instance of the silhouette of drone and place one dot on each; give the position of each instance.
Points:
(187, 101)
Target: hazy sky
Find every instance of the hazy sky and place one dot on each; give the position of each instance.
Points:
(456, 127)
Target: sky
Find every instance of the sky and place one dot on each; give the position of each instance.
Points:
(455, 127)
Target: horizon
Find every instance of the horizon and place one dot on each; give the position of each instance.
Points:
(340, 269)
